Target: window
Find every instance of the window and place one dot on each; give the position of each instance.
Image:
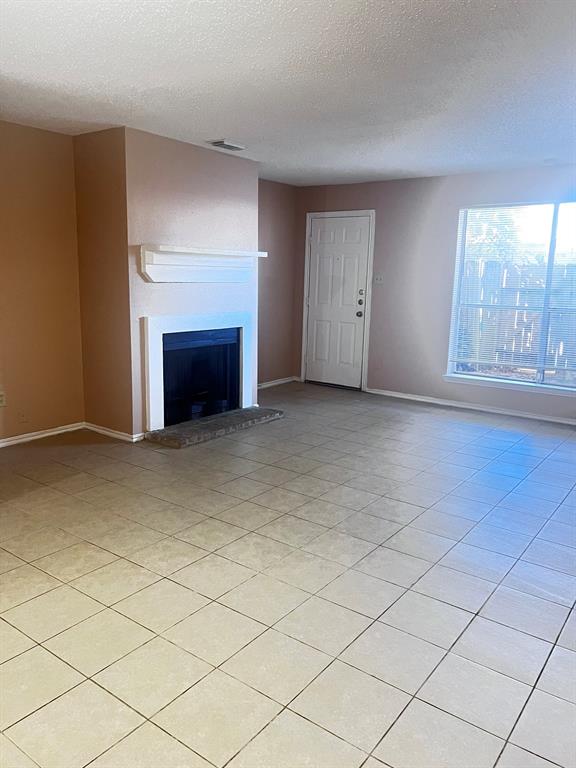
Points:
(514, 307)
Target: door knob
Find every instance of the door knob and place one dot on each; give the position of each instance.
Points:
(359, 314)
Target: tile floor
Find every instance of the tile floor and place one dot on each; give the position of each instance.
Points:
(365, 583)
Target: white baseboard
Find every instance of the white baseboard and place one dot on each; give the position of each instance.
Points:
(29, 436)
(125, 436)
(277, 382)
(470, 406)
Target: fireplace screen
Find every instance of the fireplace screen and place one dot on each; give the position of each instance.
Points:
(201, 373)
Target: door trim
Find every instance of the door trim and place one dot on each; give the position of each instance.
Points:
(371, 215)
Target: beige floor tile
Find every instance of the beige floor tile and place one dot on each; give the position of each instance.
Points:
(12, 642)
(476, 694)
(217, 717)
(368, 527)
(211, 534)
(514, 757)
(210, 502)
(124, 542)
(16, 523)
(264, 598)
(212, 576)
(310, 486)
(86, 719)
(459, 589)
(395, 567)
(491, 566)
(114, 581)
(51, 613)
(497, 540)
(349, 497)
(323, 513)
(243, 488)
(334, 472)
(149, 747)
(292, 530)
(272, 475)
(323, 625)
(393, 656)
(255, 551)
(98, 641)
(31, 546)
(567, 637)
(12, 757)
(361, 593)
(8, 561)
(161, 605)
(559, 676)
(449, 526)
(372, 484)
(422, 544)
(168, 519)
(339, 547)
(152, 676)
(542, 582)
(248, 515)
(425, 736)
(429, 619)
(214, 633)
(373, 763)
(75, 561)
(306, 571)
(277, 665)
(546, 727)
(552, 555)
(414, 494)
(503, 649)
(31, 680)
(167, 556)
(352, 705)
(394, 510)
(529, 614)
(281, 500)
(22, 584)
(291, 741)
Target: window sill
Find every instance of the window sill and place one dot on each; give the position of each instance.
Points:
(543, 389)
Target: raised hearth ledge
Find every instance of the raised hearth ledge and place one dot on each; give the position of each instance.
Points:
(172, 264)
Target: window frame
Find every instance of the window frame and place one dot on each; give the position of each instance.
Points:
(539, 385)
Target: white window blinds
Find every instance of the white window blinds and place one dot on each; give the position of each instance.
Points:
(514, 306)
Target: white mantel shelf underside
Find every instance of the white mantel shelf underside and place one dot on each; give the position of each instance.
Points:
(171, 264)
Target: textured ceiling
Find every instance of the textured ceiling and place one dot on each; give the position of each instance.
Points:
(319, 91)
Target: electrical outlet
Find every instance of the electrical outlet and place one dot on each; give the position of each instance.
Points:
(2, 399)
(378, 278)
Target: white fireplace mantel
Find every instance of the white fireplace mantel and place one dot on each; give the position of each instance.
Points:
(171, 264)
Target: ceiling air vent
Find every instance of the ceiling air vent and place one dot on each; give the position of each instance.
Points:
(229, 145)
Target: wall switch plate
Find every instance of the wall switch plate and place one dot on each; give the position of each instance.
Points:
(2, 399)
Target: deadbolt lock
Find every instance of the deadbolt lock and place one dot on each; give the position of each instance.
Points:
(359, 314)
(360, 301)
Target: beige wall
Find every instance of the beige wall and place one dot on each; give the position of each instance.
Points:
(277, 283)
(415, 247)
(184, 195)
(40, 352)
(104, 292)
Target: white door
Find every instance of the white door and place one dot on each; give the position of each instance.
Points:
(338, 268)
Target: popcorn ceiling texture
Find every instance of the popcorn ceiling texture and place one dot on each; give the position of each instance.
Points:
(320, 91)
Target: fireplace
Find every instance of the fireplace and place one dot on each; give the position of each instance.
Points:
(201, 372)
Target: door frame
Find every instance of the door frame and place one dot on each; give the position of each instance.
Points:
(371, 215)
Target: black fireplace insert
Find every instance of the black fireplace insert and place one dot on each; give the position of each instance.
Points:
(201, 373)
